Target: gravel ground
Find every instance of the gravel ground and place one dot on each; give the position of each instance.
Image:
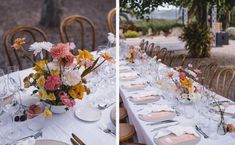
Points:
(28, 12)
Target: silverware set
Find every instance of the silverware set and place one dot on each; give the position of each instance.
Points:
(161, 122)
(35, 136)
(164, 124)
(76, 140)
(107, 130)
(104, 106)
(201, 132)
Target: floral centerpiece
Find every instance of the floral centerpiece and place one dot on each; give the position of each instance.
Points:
(134, 53)
(185, 85)
(60, 81)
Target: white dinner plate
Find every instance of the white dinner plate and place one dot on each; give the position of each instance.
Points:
(88, 113)
(171, 139)
(49, 142)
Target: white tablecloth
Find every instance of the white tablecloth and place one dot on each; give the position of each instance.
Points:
(60, 127)
(144, 133)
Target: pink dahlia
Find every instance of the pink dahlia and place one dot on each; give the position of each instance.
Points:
(182, 75)
(59, 51)
(53, 82)
(67, 60)
(66, 101)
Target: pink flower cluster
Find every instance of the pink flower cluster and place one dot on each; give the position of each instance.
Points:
(65, 100)
(62, 53)
(53, 83)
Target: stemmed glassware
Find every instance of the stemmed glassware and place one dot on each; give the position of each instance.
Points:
(3, 92)
(101, 48)
(12, 106)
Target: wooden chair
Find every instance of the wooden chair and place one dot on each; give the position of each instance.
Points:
(126, 132)
(81, 20)
(141, 45)
(149, 49)
(32, 34)
(224, 82)
(162, 54)
(168, 58)
(110, 20)
(122, 114)
(178, 60)
(145, 46)
(156, 50)
(209, 72)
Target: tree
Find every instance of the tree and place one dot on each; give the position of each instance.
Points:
(51, 13)
(139, 8)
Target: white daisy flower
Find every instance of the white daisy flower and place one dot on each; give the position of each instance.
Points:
(111, 38)
(37, 47)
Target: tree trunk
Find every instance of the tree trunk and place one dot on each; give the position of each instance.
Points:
(51, 13)
(226, 20)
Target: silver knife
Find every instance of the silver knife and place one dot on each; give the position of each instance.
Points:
(161, 122)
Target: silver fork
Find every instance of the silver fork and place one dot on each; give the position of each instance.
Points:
(35, 136)
(105, 129)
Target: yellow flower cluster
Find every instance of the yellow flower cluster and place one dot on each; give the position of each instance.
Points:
(77, 91)
(84, 54)
(47, 112)
(40, 66)
(188, 84)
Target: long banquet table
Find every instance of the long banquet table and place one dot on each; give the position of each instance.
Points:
(60, 127)
(144, 134)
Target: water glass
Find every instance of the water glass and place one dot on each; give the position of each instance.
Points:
(14, 80)
(3, 90)
(12, 107)
(36, 121)
(213, 125)
(188, 111)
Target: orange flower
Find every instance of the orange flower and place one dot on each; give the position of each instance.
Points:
(107, 57)
(130, 59)
(132, 51)
(18, 43)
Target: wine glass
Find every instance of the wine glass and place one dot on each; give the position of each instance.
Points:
(12, 107)
(101, 48)
(3, 92)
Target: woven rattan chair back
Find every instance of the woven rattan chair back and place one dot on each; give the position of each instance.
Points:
(224, 82)
(32, 34)
(110, 20)
(81, 20)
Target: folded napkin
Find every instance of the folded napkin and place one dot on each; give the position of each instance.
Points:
(128, 76)
(123, 69)
(178, 130)
(145, 93)
(230, 109)
(134, 86)
(157, 108)
(30, 141)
